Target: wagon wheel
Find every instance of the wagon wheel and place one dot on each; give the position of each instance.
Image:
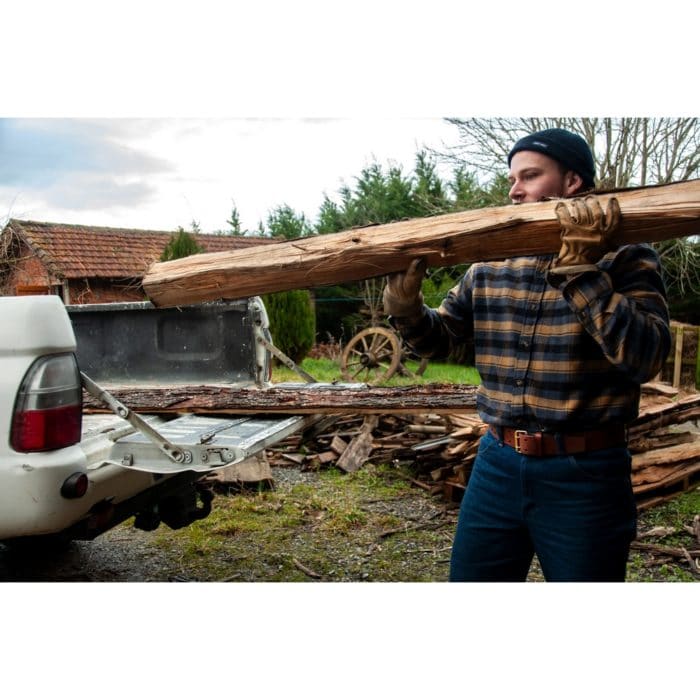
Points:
(372, 356)
(423, 366)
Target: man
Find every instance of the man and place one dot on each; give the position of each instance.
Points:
(562, 344)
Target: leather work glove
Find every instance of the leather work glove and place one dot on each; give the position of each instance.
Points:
(586, 233)
(403, 298)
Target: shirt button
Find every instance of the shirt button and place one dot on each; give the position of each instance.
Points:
(518, 382)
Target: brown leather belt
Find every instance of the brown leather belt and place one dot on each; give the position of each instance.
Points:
(551, 444)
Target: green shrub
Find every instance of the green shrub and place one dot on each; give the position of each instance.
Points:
(292, 322)
(180, 245)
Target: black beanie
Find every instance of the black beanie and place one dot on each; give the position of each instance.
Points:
(567, 148)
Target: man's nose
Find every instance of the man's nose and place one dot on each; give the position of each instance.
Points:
(516, 193)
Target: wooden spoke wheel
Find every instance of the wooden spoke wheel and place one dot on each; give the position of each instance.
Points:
(372, 356)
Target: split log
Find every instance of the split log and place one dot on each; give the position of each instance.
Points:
(255, 469)
(495, 233)
(360, 448)
(675, 552)
(667, 455)
(658, 478)
(660, 388)
(686, 408)
(338, 445)
(657, 442)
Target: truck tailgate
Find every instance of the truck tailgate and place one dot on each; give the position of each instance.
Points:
(208, 443)
(134, 343)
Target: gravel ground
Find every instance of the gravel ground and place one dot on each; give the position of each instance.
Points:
(127, 554)
(121, 554)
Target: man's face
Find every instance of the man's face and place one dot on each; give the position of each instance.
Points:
(535, 177)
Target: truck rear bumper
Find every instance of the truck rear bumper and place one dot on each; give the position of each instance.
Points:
(30, 491)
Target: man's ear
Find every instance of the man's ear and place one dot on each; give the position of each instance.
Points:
(573, 182)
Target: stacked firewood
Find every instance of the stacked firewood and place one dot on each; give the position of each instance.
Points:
(441, 448)
(665, 444)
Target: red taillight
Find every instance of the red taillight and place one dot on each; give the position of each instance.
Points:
(49, 407)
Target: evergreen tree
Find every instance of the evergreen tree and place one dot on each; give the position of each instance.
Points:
(284, 222)
(429, 192)
(380, 198)
(292, 322)
(469, 194)
(330, 217)
(234, 222)
(291, 313)
(180, 245)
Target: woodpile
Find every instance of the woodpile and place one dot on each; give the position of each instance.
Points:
(441, 447)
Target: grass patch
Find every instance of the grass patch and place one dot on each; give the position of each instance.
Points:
(325, 370)
(342, 527)
(675, 514)
(372, 525)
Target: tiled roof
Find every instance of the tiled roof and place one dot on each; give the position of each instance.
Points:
(71, 251)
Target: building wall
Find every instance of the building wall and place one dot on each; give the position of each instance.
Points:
(25, 270)
(98, 291)
(27, 275)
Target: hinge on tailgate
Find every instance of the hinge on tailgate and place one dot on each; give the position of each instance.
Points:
(173, 452)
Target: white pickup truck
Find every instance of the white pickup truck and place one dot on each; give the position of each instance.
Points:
(65, 475)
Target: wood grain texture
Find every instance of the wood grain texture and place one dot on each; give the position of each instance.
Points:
(649, 214)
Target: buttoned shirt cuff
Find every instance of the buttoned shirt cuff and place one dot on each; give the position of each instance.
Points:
(587, 288)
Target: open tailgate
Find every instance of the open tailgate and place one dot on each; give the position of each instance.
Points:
(207, 443)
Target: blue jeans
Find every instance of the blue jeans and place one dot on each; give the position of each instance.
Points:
(577, 513)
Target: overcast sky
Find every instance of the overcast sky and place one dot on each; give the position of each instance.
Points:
(390, 70)
(164, 173)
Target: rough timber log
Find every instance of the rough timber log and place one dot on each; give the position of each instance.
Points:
(297, 398)
(648, 214)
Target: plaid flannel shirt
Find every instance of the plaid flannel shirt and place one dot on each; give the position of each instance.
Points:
(569, 358)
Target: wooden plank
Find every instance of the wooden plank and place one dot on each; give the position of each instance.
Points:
(686, 408)
(662, 478)
(660, 388)
(656, 442)
(338, 445)
(666, 455)
(359, 449)
(678, 357)
(495, 233)
(251, 470)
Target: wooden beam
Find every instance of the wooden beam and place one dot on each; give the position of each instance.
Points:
(495, 233)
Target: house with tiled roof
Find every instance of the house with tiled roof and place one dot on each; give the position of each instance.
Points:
(88, 264)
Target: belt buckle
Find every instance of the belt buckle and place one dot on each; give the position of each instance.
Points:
(533, 445)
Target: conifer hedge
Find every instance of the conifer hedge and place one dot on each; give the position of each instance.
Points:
(292, 322)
